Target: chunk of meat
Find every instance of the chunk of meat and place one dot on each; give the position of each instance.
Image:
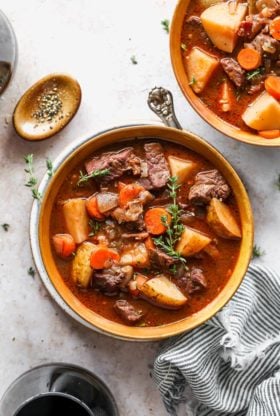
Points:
(109, 280)
(159, 258)
(208, 184)
(136, 226)
(264, 44)
(194, 20)
(234, 71)
(251, 26)
(158, 172)
(254, 89)
(117, 162)
(133, 209)
(127, 312)
(192, 281)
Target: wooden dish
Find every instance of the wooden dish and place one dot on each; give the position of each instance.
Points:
(183, 81)
(40, 231)
(26, 118)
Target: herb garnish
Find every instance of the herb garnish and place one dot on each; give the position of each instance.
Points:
(133, 60)
(95, 227)
(32, 181)
(31, 272)
(95, 174)
(192, 81)
(253, 74)
(277, 182)
(173, 230)
(49, 167)
(165, 25)
(257, 252)
(5, 227)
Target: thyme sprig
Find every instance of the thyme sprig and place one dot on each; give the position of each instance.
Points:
(32, 181)
(49, 165)
(165, 25)
(257, 252)
(95, 174)
(95, 227)
(175, 228)
(255, 73)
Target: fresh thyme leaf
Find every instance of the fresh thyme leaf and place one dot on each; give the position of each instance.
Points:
(183, 46)
(165, 25)
(95, 227)
(174, 229)
(95, 174)
(32, 181)
(133, 60)
(277, 182)
(5, 227)
(253, 74)
(49, 167)
(257, 252)
(31, 272)
(192, 81)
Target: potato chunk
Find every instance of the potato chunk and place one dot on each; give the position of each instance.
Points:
(180, 168)
(81, 270)
(76, 219)
(263, 113)
(221, 23)
(221, 219)
(162, 292)
(200, 68)
(191, 242)
(136, 255)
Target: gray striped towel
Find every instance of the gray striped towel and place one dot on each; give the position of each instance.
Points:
(231, 364)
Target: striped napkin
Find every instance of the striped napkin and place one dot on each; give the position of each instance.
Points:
(231, 364)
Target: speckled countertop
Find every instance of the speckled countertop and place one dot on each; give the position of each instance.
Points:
(94, 40)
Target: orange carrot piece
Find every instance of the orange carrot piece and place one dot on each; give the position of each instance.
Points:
(154, 220)
(249, 59)
(149, 243)
(128, 193)
(102, 258)
(275, 28)
(92, 208)
(272, 86)
(135, 285)
(269, 134)
(64, 245)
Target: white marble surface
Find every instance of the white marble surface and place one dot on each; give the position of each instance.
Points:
(94, 40)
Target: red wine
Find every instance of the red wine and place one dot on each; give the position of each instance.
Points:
(53, 405)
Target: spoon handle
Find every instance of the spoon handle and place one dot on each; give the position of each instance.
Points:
(160, 101)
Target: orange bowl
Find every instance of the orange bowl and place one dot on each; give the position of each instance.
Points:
(209, 116)
(40, 231)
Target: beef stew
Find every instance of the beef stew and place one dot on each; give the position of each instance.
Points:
(133, 244)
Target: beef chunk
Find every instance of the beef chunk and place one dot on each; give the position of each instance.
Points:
(108, 280)
(129, 214)
(208, 184)
(158, 172)
(192, 281)
(254, 89)
(136, 226)
(234, 71)
(117, 162)
(264, 44)
(160, 259)
(127, 312)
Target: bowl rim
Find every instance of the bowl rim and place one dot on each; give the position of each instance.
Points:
(146, 333)
(193, 99)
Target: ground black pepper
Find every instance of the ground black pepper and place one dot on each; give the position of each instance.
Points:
(49, 106)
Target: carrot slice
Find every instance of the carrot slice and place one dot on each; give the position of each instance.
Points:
(149, 243)
(275, 28)
(272, 86)
(92, 208)
(154, 220)
(128, 193)
(269, 134)
(64, 245)
(249, 59)
(102, 258)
